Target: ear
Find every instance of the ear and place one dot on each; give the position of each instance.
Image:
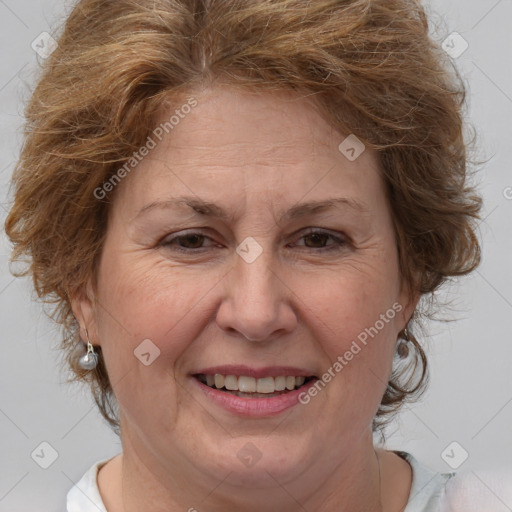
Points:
(409, 301)
(83, 304)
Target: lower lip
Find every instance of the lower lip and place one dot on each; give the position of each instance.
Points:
(254, 407)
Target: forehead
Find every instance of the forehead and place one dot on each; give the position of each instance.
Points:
(236, 121)
(275, 144)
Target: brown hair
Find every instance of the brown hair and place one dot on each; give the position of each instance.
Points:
(370, 65)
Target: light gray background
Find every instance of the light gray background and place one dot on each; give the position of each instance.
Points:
(470, 396)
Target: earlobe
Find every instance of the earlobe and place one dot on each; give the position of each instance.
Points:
(410, 302)
(83, 307)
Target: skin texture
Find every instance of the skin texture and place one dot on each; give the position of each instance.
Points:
(256, 156)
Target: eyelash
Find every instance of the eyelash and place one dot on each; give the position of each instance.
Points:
(338, 244)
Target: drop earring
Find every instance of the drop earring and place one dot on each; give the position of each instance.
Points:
(402, 348)
(89, 360)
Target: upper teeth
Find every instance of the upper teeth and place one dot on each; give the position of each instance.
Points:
(252, 385)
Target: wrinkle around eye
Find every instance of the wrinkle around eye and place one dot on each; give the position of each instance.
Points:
(339, 241)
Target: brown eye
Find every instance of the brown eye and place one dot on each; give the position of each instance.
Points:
(320, 240)
(192, 241)
(186, 242)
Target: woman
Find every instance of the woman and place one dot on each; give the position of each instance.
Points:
(237, 208)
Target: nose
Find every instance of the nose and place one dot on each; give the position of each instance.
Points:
(257, 302)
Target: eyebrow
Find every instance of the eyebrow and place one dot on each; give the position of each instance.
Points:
(209, 209)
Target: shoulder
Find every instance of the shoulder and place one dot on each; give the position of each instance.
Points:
(427, 488)
(465, 491)
(84, 496)
(478, 490)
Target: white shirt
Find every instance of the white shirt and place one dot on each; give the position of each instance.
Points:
(430, 491)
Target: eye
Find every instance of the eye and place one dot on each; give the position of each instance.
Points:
(185, 242)
(319, 238)
(193, 241)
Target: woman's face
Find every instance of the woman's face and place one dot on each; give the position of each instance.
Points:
(210, 266)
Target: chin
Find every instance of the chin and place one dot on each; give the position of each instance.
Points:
(259, 462)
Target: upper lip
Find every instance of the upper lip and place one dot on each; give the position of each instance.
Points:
(267, 371)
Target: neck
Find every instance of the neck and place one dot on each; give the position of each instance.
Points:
(327, 486)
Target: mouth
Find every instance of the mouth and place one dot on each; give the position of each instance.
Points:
(245, 386)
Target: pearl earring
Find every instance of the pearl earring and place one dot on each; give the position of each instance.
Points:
(88, 361)
(403, 346)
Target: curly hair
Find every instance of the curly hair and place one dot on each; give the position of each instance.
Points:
(371, 67)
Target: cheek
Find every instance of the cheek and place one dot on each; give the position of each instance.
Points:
(145, 294)
(146, 319)
(357, 315)
(156, 302)
(354, 300)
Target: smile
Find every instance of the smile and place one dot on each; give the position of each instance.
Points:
(251, 387)
(252, 396)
